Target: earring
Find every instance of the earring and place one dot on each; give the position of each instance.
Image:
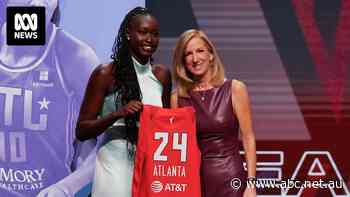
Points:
(128, 38)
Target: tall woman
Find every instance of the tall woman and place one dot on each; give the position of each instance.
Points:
(114, 97)
(222, 108)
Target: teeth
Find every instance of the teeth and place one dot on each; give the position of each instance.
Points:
(147, 47)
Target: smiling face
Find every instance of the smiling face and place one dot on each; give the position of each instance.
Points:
(198, 59)
(143, 36)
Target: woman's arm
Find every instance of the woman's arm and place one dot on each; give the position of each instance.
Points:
(100, 82)
(241, 104)
(173, 100)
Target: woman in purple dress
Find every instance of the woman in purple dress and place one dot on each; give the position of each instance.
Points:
(222, 110)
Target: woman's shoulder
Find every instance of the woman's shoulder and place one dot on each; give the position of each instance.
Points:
(104, 69)
(160, 69)
(173, 99)
(162, 73)
(102, 75)
(176, 94)
(237, 83)
(238, 87)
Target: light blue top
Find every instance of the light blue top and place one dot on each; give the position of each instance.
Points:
(151, 89)
(113, 164)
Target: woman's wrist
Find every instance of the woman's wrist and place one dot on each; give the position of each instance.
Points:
(117, 115)
(251, 182)
(251, 178)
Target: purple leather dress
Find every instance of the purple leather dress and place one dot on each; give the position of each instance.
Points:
(217, 134)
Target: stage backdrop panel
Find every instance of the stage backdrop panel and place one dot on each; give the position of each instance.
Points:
(294, 57)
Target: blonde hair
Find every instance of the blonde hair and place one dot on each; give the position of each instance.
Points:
(183, 81)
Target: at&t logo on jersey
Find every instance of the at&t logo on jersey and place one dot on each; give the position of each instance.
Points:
(157, 186)
(25, 25)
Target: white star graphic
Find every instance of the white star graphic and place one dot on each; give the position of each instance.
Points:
(44, 104)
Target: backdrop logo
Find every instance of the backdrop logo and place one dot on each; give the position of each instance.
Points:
(25, 25)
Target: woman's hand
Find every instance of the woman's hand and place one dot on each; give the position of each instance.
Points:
(131, 108)
(249, 192)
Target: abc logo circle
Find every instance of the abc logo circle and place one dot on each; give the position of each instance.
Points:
(156, 186)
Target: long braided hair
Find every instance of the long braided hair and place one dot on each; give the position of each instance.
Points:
(126, 86)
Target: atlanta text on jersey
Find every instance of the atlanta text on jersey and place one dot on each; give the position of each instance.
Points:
(164, 170)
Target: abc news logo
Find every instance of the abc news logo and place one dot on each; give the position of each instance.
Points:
(25, 25)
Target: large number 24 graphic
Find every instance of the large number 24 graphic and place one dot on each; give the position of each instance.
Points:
(164, 136)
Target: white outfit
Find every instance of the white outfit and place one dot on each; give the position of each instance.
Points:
(114, 166)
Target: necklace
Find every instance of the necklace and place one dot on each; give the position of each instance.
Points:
(202, 94)
(202, 88)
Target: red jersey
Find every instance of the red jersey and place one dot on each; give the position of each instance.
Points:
(167, 162)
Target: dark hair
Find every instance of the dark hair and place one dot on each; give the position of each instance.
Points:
(126, 84)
